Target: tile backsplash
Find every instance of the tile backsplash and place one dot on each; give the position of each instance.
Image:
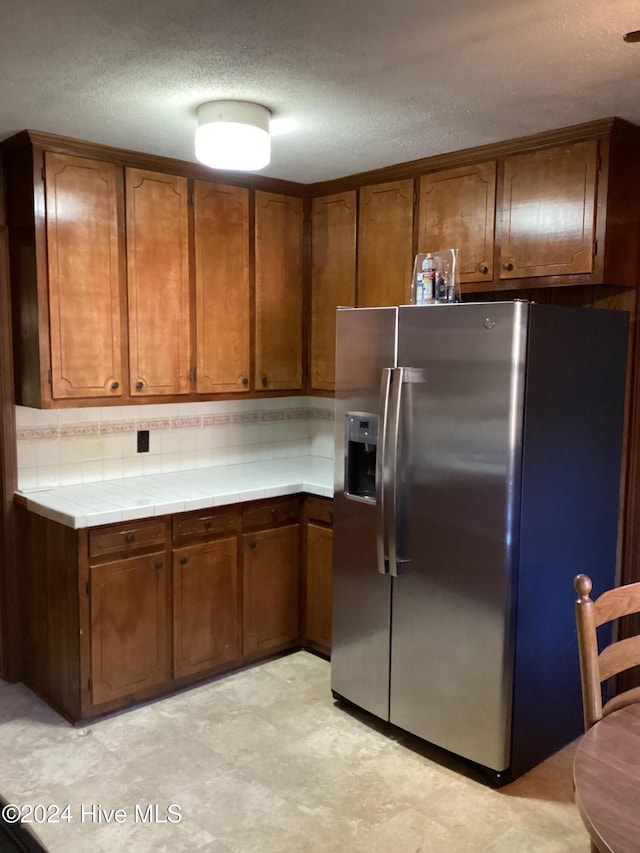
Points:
(58, 447)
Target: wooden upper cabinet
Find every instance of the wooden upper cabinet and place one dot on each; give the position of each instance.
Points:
(278, 291)
(548, 214)
(84, 274)
(333, 278)
(385, 244)
(457, 211)
(158, 283)
(221, 215)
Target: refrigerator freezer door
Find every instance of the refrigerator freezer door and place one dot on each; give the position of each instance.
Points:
(365, 347)
(458, 494)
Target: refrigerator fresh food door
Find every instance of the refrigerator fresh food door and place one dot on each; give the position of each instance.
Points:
(365, 357)
(457, 525)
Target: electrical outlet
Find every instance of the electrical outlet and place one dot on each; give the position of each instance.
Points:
(143, 441)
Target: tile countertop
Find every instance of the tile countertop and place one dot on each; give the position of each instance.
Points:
(91, 504)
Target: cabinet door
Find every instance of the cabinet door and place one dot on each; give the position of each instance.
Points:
(385, 244)
(84, 267)
(158, 283)
(548, 218)
(278, 291)
(318, 586)
(223, 306)
(457, 211)
(206, 625)
(129, 637)
(333, 278)
(271, 589)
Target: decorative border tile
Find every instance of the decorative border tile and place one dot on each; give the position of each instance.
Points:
(78, 429)
(128, 426)
(157, 423)
(36, 432)
(117, 427)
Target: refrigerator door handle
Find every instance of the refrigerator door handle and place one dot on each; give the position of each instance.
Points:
(391, 462)
(381, 468)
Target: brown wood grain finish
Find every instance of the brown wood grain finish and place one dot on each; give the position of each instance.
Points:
(270, 513)
(221, 236)
(206, 624)
(385, 244)
(271, 589)
(158, 283)
(9, 616)
(128, 626)
(84, 277)
(202, 523)
(319, 509)
(318, 585)
(548, 211)
(333, 278)
(125, 537)
(49, 611)
(457, 211)
(606, 775)
(278, 291)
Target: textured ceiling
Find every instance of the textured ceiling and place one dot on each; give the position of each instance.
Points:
(352, 85)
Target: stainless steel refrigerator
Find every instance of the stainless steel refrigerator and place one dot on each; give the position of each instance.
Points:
(478, 452)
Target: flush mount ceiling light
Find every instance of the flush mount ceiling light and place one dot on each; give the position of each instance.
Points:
(233, 135)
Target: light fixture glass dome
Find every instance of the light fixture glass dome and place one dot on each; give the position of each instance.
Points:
(233, 135)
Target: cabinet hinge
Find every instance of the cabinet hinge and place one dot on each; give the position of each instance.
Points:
(49, 377)
(42, 173)
(89, 682)
(87, 588)
(598, 163)
(194, 373)
(595, 248)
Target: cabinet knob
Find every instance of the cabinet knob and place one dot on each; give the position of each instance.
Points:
(252, 544)
(129, 538)
(159, 564)
(507, 265)
(207, 523)
(245, 381)
(265, 381)
(115, 386)
(139, 385)
(183, 561)
(483, 268)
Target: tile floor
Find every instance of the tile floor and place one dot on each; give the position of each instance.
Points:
(265, 761)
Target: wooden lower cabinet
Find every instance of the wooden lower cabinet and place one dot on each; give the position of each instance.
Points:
(318, 587)
(117, 614)
(206, 624)
(271, 589)
(129, 648)
(318, 574)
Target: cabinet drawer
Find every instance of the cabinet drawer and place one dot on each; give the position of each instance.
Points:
(125, 537)
(271, 513)
(205, 523)
(320, 510)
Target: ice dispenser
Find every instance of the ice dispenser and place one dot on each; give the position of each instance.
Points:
(360, 463)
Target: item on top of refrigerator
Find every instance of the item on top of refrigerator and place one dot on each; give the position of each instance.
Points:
(435, 278)
(422, 285)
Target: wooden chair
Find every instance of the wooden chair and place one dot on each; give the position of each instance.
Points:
(596, 667)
